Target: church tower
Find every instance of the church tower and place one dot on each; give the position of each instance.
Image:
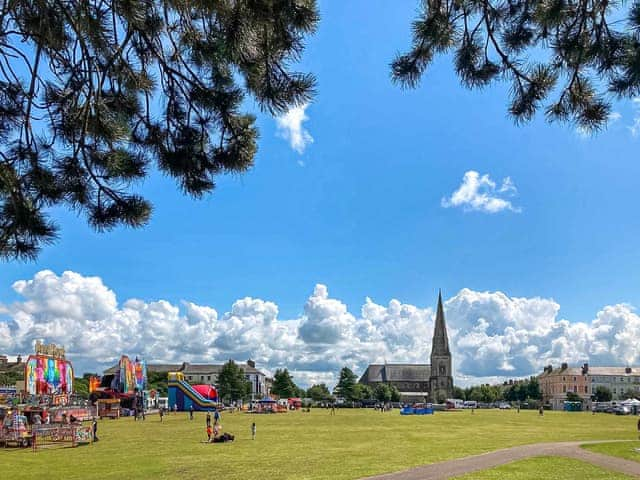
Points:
(440, 381)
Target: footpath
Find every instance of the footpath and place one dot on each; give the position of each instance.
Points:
(461, 466)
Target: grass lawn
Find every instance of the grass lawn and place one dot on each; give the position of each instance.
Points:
(316, 445)
(624, 449)
(549, 468)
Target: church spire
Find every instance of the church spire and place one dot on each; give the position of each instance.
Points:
(440, 345)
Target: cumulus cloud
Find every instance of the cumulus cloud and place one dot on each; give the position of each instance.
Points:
(481, 194)
(492, 335)
(290, 128)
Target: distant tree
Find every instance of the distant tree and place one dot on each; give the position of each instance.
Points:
(346, 384)
(319, 392)
(630, 393)
(602, 394)
(81, 387)
(533, 389)
(395, 393)
(232, 383)
(93, 93)
(583, 52)
(382, 392)
(459, 393)
(573, 397)
(362, 392)
(283, 384)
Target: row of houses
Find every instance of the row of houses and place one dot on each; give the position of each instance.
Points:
(583, 381)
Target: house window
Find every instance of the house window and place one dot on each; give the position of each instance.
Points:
(564, 389)
(575, 389)
(574, 379)
(209, 377)
(586, 389)
(564, 379)
(202, 378)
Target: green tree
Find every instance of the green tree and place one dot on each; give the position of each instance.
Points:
(283, 385)
(319, 392)
(459, 393)
(573, 397)
(533, 389)
(602, 394)
(232, 383)
(96, 93)
(382, 392)
(346, 384)
(362, 392)
(81, 387)
(581, 52)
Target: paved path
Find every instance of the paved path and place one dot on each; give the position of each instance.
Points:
(460, 466)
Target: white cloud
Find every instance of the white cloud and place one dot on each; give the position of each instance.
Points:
(290, 128)
(480, 193)
(492, 335)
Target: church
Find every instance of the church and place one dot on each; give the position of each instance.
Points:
(419, 382)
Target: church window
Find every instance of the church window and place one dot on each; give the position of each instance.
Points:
(442, 370)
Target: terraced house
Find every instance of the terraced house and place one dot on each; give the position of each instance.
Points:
(623, 382)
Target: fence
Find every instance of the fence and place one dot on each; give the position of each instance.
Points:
(46, 436)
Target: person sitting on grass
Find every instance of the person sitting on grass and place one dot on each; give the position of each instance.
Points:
(225, 437)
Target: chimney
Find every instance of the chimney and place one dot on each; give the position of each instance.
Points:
(627, 370)
(564, 366)
(3, 360)
(19, 359)
(251, 363)
(550, 367)
(585, 368)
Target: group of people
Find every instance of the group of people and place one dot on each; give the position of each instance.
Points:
(213, 432)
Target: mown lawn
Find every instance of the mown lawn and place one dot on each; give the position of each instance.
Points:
(352, 444)
(628, 450)
(548, 468)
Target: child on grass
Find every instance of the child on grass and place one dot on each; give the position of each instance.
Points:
(253, 431)
(209, 432)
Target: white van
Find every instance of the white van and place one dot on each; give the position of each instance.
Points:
(455, 403)
(470, 404)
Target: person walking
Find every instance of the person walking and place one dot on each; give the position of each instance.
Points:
(191, 412)
(161, 412)
(216, 417)
(541, 411)
(95, 429)
(253, 431)
(208, 418)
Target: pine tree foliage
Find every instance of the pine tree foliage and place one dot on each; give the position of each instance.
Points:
(570, 57)
(95, 92)
(283, 385)
(232, 383)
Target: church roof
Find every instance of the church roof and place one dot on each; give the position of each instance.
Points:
(396, 372)
(440, 345)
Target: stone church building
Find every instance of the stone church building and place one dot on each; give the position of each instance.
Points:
(419, 382)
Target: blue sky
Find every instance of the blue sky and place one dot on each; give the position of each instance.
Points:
(360, 210)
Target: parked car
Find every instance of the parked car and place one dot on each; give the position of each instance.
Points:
(504, 406)
(622, 410)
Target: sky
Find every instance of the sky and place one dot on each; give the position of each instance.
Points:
(361, 205)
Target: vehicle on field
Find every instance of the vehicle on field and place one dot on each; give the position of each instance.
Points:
(504, 406)
(470, 404)
(455, 403)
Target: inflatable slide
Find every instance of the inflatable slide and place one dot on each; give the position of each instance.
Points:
(184, 395)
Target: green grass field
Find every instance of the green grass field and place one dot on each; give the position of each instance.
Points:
(628, 450)
(549, 468)
(349, 445)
